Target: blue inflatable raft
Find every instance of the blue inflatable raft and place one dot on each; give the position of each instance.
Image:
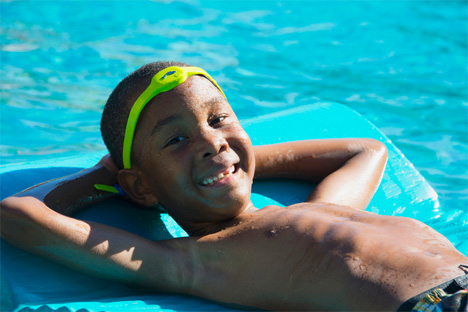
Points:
(30, 283)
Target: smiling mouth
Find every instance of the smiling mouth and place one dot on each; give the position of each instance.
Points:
(221, 176)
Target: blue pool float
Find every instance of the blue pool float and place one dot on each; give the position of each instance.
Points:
(31, 283)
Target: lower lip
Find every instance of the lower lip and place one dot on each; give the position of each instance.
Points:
(226, 180)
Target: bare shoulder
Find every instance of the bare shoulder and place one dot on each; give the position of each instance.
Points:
(328, 216)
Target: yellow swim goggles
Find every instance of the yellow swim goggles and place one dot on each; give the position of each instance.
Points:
(163, 81)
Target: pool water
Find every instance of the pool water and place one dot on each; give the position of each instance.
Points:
(401, 64)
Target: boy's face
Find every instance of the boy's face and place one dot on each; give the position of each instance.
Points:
(194, 154)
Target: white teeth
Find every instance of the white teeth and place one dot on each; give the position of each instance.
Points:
(219, 177)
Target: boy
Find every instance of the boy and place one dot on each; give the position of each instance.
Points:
(175, 141)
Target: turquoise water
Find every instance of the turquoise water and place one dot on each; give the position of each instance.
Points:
(401, 64)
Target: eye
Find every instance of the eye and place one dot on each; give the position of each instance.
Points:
(174, 140)
(217, 120)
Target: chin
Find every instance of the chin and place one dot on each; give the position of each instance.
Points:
(238, 206)
(224, 213)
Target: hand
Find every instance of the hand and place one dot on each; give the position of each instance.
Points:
(108, 163)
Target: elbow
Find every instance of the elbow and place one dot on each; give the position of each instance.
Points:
(372, 154)
(9, 208)
(376, 156)
(10, 213)
(375, 149)
(16, 217)
(381, 151)
(7, 212)
(12, 207)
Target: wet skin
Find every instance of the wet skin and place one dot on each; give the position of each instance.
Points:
(323, 254)
(314, 256)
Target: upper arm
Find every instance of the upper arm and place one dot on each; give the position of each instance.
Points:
(356, 181)
(348, 171)
(92, 248)
(310, 160)
(69, 194)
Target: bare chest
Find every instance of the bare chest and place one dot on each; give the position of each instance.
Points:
(309, 256)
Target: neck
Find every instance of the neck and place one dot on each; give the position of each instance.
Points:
(210, 227)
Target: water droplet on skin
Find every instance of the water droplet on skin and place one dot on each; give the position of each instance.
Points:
(362, 267)
(411, 285)
(273, 232)
(355, 258)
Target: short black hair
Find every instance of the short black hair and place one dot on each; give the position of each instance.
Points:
(118, 105)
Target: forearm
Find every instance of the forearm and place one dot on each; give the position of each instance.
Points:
(92, 248)
(71, 193)
(348, 171)
(310, 160)
(38, 220)
(356, 182)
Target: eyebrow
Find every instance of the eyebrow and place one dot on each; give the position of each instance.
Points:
(215, 100)
(164, 122)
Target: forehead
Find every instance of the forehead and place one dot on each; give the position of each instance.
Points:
(197, 93)
(197, 96)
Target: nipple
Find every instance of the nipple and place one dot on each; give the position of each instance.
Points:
(273, 232)
(464, 268)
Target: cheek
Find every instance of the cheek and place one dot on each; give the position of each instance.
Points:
(169, 177)
(247, 147)
(162, 175)
(243, 146)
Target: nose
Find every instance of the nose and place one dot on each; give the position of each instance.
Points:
(210, 143)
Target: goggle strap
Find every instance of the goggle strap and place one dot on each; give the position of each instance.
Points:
(116, 189)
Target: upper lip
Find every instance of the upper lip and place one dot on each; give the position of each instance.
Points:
(217, 166)
(215, 174)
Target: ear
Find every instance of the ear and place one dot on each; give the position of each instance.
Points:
(134, 183)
